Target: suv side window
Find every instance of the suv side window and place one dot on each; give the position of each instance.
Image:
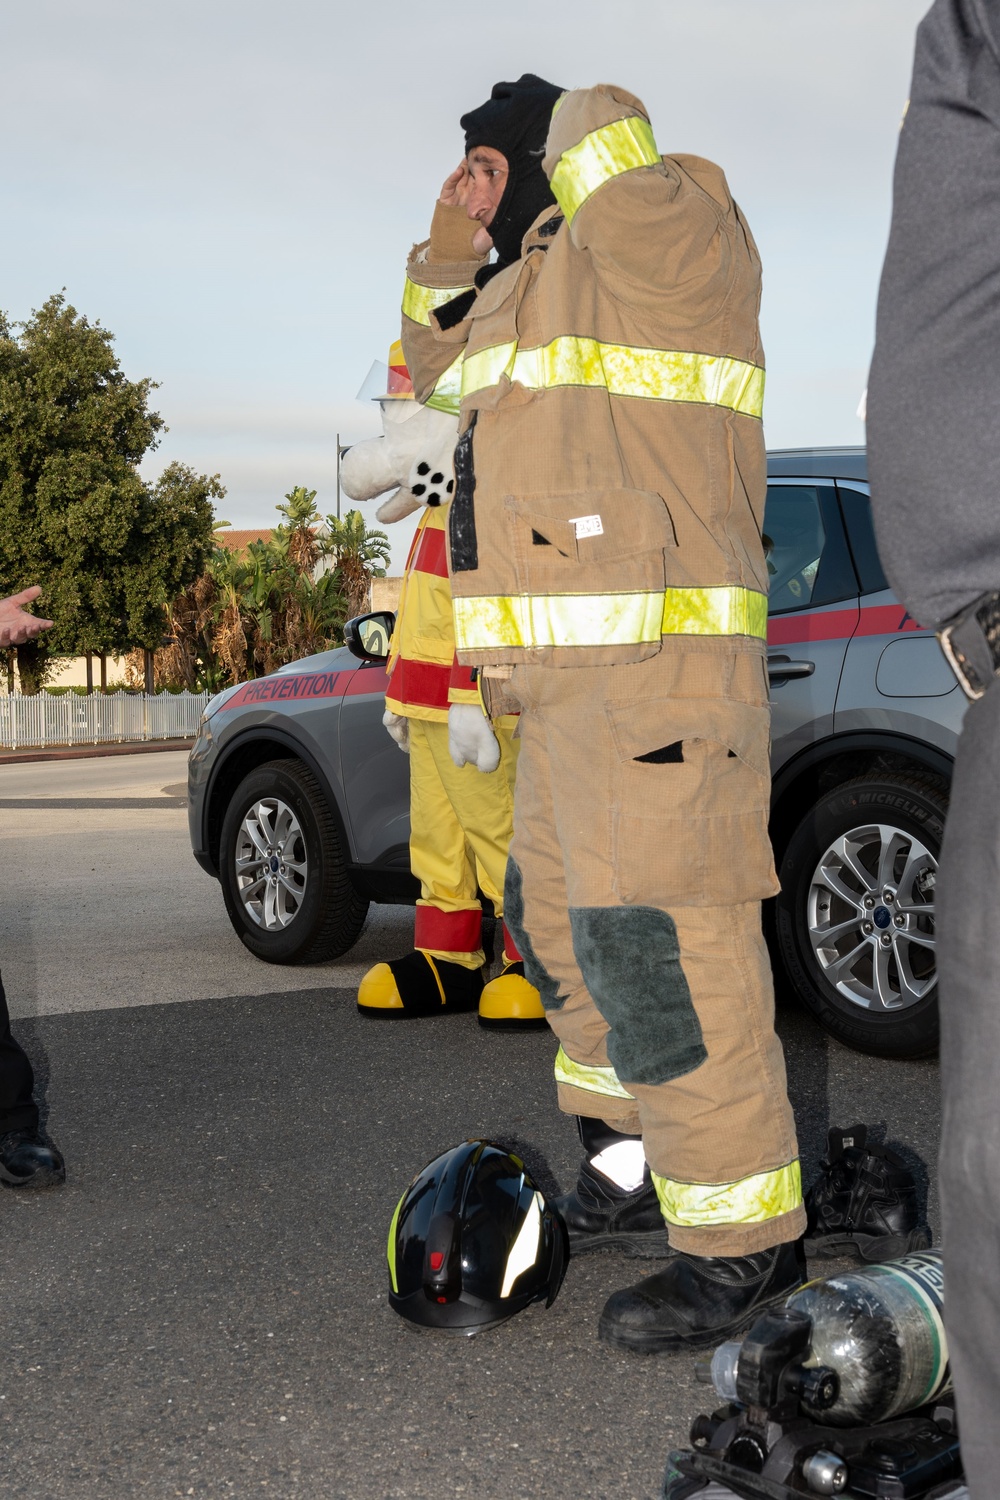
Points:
(807, 558)
(861, 534)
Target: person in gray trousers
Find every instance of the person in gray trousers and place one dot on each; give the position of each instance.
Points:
(934, 465)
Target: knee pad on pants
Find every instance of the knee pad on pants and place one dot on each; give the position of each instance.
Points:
(630, 960)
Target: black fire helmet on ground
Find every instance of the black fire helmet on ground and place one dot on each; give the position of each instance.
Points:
(473, 1241)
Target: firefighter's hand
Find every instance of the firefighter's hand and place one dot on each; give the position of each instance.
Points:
(399, 729)
(456, 186)
(16, 625)
(471, 740)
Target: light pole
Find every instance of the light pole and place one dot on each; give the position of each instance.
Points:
(341, 450)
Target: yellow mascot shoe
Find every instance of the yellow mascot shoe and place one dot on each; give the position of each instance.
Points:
(511, 1003)
(378, 991)
(419, 985)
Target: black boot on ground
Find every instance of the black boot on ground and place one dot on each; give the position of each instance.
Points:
(700, 1299)
(26, 1160)
(600, 1215)
(864, 1202)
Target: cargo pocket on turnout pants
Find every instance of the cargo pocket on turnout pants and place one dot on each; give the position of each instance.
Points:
(689, 825)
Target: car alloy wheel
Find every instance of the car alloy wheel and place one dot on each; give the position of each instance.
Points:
(270, 863)
(870, 911)
(854, 923)
(287, 887)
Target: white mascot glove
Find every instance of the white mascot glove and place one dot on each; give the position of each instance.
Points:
(471, 739)
(399, 729)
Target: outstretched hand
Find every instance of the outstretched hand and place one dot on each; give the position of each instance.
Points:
(16, 625)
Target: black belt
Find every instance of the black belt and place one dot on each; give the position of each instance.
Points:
(971, 643)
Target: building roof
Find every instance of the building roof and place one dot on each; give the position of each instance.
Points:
(239, 541)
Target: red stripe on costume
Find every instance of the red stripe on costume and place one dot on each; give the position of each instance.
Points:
(420, 684)
(447, 931)
(430, 555)
(509, 947)
(461, 677)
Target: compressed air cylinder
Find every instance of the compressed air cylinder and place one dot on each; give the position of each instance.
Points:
(882, 1331)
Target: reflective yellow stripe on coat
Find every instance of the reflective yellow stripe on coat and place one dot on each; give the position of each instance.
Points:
(698, 1205)
(420, 301)
(619, 147)
(527, 621)
(653, 374)
(447, 394)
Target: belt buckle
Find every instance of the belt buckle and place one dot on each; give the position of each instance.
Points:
(971, 645)
(968, 678)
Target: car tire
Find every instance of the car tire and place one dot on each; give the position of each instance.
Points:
(854, 922)
(305, 910)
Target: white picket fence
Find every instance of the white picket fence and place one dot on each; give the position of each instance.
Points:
(98, 719)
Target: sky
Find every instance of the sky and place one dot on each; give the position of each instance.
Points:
(232, 186)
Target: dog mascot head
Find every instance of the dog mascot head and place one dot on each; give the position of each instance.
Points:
(414, 457)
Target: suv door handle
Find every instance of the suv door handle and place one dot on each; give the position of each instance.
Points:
(780, 667)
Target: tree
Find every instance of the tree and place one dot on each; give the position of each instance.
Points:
(359, 555)
(110, 550)
(253, 612)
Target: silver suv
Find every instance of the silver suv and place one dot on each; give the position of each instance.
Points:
(299, 799)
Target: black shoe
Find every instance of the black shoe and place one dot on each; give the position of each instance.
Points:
(600, 1215)
(28, 1161)
(700, 1299)
(864, 1202)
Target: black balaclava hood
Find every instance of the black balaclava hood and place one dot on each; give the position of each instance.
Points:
(515, 120)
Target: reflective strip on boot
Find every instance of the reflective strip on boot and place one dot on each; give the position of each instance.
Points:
(590, 1077)
(752, 1200)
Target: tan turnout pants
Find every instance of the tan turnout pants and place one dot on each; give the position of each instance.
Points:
(639, 859)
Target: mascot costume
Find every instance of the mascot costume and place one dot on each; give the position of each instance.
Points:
(460, 821)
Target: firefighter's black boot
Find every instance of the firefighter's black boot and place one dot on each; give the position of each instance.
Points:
(864, 1202)
(700, 1299)
(601, 1215)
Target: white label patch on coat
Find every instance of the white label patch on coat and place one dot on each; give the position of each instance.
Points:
(587, 526)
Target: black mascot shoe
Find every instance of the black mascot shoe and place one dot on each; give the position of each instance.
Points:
(599, 1215)
(419, 985)
(700, 1299)
(864, 1202)
(28, 1161)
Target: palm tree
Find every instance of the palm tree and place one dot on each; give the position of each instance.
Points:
(358, 553)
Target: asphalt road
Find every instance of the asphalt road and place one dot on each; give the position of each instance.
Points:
(202, 1310)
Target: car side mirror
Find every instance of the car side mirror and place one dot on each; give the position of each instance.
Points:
(368, 636)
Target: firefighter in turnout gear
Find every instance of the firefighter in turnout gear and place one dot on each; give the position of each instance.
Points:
(608, 576)
(460, 821)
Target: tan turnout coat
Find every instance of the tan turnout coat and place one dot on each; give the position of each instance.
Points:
(636, 322)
